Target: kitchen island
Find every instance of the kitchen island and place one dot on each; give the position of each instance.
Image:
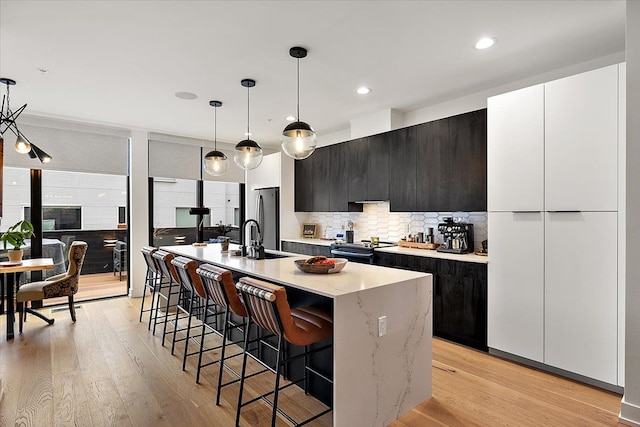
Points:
(377, 379)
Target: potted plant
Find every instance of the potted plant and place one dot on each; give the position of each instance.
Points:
(15, 236)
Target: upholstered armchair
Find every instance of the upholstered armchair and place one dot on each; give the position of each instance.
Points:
(62, 285)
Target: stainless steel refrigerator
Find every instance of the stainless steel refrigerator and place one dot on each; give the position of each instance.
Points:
(268, 215)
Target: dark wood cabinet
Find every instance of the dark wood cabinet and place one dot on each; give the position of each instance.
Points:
(402, 169)
(378, 168)
(468, 139)
(434, 172)
(338, 178)
(440, 166)
(303, 197)
(459, 296)
(320, 161)
(305, 249)
(357, 153)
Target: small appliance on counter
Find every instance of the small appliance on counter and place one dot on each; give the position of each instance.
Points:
(349, 232)
(458, 237)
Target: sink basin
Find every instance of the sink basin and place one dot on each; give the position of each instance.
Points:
(269, 255)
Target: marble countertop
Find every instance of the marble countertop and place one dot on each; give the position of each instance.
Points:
(435, 254)
(406, 251)
(352, 279)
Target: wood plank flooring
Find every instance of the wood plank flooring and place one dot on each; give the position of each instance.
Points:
(108, 370)
(92, 286)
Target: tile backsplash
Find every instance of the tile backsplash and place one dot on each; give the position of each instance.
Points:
(376, 220)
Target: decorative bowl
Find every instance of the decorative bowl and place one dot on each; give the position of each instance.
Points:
(321, 268)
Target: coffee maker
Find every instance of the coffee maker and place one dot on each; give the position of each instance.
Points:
(458, 237)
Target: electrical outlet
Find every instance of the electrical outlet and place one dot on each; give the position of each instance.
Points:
(382, 326)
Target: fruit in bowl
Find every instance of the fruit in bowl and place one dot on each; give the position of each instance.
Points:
(321, 264)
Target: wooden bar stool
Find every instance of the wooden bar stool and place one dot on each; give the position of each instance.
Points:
(192, 302)
(151, 282)
(268, 307)
(170, 282)
(221, 289)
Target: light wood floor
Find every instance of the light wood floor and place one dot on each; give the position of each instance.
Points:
(94, 286)
(108, 370)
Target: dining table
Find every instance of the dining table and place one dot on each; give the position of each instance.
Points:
(10, 273)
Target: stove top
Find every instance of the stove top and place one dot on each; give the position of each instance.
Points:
(364, 244)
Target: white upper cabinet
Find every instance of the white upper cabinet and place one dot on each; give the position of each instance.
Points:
(581, 134)
(266, 175)
(515, 150)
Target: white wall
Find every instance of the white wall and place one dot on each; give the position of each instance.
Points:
(630, 409)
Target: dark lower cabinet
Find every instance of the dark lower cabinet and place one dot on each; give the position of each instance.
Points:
(459, 296)
(305, 249)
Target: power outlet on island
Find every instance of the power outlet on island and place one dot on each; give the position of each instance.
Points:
(382, 326)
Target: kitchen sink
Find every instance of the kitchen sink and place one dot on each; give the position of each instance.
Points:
(270, 255)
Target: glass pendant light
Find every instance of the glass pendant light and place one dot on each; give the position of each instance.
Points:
(299, 140)
(247, 154)
(215, 162)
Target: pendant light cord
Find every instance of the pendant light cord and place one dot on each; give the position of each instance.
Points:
(215, 129)
(248, 133)
(298, 118)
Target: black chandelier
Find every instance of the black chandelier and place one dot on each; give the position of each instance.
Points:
(8, 122)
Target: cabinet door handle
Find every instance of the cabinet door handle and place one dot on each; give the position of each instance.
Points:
(526, 211)
(564, 211)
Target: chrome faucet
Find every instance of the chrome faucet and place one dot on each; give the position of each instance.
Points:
(255, 250)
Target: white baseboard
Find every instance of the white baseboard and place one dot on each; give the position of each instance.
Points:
(629, 414)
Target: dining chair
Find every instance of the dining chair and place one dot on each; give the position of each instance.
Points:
(65, 284)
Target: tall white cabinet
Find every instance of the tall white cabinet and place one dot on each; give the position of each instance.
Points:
(553, 215)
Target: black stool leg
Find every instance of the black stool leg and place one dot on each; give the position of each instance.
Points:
(277, 386)
(222, 353)
(244, 370)
(175, 325)
(206, 308)
(144, 292)
(152, 293)
(186, 342)
(166, 311)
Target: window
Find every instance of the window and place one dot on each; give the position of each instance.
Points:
(185, 219)
(59, 217)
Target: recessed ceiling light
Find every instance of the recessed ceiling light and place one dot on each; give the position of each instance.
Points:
(290, 118)
(186, 95)
(363, 90)
(485, 42)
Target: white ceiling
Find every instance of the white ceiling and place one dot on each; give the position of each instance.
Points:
(121, 62)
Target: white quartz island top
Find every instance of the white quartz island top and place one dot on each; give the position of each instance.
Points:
(353, 278)
(377, 377)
